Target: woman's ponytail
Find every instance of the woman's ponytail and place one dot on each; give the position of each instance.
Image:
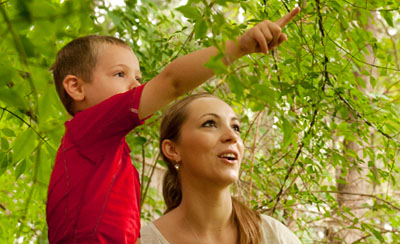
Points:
(172, 191)
(248, 223)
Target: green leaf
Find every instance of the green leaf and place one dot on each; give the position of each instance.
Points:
(44, 168)
(341, 181)
(139, 140)
(45, 106)
(12, 97)
(287, 131)
(387, 15)
(4, 144)
(29, 48)
(189, 12)
(115, 18)
(377, 234)
(3, 163)
(221, 2)
(7, 74)
(200, 29)
(8, 132)
(236, 86)
(21, 167)
(215, 63)
(23, 145)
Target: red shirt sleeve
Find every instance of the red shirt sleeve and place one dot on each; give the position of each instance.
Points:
(101, 127)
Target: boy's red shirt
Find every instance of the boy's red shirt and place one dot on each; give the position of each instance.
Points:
(94, 191)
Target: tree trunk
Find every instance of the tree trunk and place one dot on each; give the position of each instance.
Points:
(349, 194)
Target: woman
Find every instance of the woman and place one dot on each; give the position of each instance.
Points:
(200, 142)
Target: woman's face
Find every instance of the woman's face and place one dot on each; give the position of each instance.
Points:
(209, 146)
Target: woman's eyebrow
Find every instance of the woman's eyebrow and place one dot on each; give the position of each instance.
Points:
(217, 116)
(212, 114)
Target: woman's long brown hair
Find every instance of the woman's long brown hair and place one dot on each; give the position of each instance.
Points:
(248, 221)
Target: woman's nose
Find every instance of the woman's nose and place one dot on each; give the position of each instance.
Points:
(229, 135)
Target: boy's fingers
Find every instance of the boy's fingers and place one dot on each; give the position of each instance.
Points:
(267, 34)
(275, 30)
(288, 17)
(282, 38)
(262, 42)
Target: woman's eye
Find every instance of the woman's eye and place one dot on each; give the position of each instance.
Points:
(209, 123)
(236, 128)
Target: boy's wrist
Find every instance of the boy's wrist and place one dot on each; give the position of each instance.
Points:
(233, 51)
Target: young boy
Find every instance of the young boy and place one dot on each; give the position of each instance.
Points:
(94, 188)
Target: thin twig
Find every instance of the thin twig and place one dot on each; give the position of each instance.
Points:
(373, 10)
(29, 199)
(250, 126)
(362, 195)
(188, 39)
(253, 152)
(143, 168)
(25, 122)
(149, 179)
(361, 61)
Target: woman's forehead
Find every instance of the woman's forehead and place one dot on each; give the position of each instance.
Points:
(209, 105)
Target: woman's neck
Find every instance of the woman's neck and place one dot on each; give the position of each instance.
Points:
(204, 216)
(206, 210)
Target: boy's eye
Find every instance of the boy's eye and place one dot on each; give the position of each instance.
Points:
(120, 74)
(139, 79)
(209, 123)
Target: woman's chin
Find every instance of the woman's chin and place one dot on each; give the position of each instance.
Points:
(228, 179)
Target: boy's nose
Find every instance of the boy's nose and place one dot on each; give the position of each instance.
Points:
(134, 84)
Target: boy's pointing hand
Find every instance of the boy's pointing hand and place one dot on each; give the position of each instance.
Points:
(265, 35)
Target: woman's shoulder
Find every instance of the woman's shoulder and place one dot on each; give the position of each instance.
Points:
(149, 234)
(276, 232)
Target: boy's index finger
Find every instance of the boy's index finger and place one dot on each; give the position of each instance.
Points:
(288, 17)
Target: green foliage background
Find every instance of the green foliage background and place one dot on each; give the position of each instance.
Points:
(300, 105)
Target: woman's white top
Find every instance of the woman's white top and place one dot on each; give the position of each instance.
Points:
(273, 231)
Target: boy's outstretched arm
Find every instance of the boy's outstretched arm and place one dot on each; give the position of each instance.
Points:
(187, 72)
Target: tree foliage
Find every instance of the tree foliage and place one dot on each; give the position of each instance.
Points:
(300, 106)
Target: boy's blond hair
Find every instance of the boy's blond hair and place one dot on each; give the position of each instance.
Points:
(79, 58)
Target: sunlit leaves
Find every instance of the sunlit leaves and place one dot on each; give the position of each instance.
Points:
(190, 12)
(315, 94)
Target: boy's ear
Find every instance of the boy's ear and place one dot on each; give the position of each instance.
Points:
(74, 87)
(168, 147)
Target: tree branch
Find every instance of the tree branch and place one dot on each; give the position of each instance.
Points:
(315, 113)
(363, 195)
(20, 49)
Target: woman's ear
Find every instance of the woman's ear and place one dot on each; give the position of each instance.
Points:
(74, 87)
(168, 147)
